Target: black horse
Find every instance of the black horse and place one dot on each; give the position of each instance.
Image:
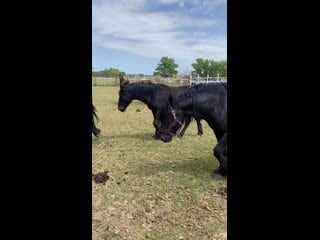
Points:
(204, 101)
(96, 131)
(154, 96)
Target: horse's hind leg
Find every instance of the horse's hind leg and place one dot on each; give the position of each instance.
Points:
(199, 125)
(96, 131)
(220, 152)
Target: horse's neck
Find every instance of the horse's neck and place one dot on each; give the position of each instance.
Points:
(143, 93)
(195, 108)
(188, 105)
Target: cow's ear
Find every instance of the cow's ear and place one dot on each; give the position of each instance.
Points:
(170, 100)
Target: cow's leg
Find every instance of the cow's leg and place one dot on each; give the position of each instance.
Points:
(220, 152)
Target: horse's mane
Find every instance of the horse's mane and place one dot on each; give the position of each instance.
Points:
(156, 85)
(146, 82)
(190, 93)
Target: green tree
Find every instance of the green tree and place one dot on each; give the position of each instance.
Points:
(218, 68)
(111, 72)
(209, 67)
(166, 67)
(201, 67)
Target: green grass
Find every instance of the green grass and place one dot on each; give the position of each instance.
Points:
(102, 81)
(156, 190)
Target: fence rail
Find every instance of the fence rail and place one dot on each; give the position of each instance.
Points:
(171, 81)
(198, 80)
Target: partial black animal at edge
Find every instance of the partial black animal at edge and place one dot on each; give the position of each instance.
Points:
(96, 131)
(154, 96)
(204, 101)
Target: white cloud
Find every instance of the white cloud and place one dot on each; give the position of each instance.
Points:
(131, 26)
(168, 1)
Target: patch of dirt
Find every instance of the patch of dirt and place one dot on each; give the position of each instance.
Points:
(101, 177)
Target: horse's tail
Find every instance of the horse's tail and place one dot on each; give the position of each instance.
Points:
(94, 113)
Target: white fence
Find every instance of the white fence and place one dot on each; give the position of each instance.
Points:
(197, 80)
(171, 81)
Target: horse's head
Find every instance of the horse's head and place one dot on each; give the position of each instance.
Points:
(123, 81)
(125, 97)
(169, 120)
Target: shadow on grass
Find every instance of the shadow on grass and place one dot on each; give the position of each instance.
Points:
(140, 136)
(198, 167)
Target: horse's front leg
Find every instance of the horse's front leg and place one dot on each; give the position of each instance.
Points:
(156, 134)
(199, 125)
(220, 152)
(187, 121)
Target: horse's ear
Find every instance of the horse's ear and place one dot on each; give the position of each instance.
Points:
(170, 100)
(123, 81)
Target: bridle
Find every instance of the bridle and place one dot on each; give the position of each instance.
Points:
(175, 120)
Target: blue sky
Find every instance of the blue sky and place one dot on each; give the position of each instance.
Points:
(133, 35)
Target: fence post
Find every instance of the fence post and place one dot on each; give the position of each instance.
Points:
(207, 78)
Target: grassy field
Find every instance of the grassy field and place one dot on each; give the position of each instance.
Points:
(101, 81)
(156, 190)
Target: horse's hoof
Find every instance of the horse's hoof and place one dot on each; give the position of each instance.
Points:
(98, 134)
(220, 172)
(179, 137)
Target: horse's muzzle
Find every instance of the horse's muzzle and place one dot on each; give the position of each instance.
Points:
(121, 108)
(166, 137)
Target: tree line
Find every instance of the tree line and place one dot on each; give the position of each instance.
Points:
(167, 68)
